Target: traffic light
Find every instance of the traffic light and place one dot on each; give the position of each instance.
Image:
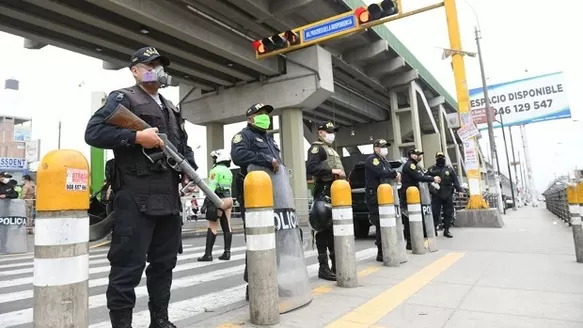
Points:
(376, 11)
(276, 42)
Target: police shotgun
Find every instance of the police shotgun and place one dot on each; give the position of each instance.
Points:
(124, 118)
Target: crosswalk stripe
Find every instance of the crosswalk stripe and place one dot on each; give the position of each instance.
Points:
(99, 261)
(102, 269)
(178, 310)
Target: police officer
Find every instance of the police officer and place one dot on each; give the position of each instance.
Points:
(220, 181)
(147, 201)
(377, 170)
(324, 165)
(7, 187)
(411, 175)
(443, 197)
(253, 145)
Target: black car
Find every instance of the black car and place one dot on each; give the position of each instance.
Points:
(360, 212)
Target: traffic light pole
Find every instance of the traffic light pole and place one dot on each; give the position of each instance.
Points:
(496, 163)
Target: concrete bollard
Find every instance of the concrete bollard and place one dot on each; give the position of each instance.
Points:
(343, 234)
(415, 221)
(575, 199)
(261, 254)
(61, 241)
(388, 224)
(401, 250)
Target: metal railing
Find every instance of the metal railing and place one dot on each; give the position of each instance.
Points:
(556, 199)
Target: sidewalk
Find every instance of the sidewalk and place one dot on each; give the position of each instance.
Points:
(522, 275)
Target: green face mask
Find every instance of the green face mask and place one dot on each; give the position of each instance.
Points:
(262, 121)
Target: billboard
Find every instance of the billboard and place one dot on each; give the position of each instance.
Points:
(535, 99)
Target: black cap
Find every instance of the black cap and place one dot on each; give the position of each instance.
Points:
(148, 54)
(439, 154)
(415, 152)
(381, 143)
(327, 126)
(6, 175)
(257, 107)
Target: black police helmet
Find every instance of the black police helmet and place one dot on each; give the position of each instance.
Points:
(320, 217)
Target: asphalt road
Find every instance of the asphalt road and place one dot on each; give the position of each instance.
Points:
(199, 290)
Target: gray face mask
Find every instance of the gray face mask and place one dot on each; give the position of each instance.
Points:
(157, 75)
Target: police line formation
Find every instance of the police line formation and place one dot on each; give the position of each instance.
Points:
(152, 156)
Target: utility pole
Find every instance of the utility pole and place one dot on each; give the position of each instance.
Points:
(495, 162)
(508, 163)
(59, 140)
(514, 159)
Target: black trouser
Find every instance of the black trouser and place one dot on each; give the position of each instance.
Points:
(138, 237)
(324, 238)
(372, 203)
(437, 203)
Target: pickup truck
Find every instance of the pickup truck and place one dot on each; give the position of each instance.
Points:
(360, 212)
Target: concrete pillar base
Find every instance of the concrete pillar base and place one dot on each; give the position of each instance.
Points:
(488, 218)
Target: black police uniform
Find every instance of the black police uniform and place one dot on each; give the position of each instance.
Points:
(6, 189)
(443, 198)
(318, 166)
(147, 202)
(411, 175)
(377, 170)
(252, 146)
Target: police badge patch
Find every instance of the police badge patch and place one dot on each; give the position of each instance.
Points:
(314, 150)
(237, 138)
(413, 166)
(375, 161)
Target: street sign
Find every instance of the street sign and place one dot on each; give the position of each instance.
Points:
(329, 29)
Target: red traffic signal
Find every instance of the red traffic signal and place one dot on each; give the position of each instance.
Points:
(376, 11)
(276, 42)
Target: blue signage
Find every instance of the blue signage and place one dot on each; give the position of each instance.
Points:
(329, 28)
(8, 163)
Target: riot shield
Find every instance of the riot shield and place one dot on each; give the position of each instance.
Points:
(428, 216)
(292, 274)
(401, 252)
(13, 226)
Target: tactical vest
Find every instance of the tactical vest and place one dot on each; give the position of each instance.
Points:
(154, 186)
(332, 158)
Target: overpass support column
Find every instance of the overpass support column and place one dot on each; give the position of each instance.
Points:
(215, 139)
(405, 121)
(441, 121)
(291, 127)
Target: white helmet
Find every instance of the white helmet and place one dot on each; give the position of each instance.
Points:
(220, 155)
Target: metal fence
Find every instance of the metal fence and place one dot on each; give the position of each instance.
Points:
(461, 201)
(556, 200)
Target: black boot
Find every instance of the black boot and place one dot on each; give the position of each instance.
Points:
(379, 253)
(324, 272)
(446, 233)
(210, 242)
(121, 318)
(247, 293)
(228, 236)
(159, 317)
(408, 246)
(333, 260)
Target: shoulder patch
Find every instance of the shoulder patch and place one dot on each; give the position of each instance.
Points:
(412, 166)
(375, 161)
(446, 172)
(237, 138)
(314, 150)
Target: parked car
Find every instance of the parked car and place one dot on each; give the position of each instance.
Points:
(361, 219)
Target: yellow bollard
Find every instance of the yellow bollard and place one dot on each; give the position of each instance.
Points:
(575, 199)
(261, 254)
(388, 224)
(61, 241)
(415, 220)
(343, 234)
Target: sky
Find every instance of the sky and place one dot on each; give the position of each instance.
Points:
(521, 38)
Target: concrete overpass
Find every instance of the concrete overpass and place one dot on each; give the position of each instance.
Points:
(369, 82)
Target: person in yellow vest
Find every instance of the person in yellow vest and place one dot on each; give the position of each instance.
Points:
(29, 195)
(325, 166)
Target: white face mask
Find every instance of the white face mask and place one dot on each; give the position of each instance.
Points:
(384, 151)
(5, 180)
(329, 137)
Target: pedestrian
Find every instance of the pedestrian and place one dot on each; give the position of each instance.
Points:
(442, 197)
(220, 181)
(147, 202)
(29, 195)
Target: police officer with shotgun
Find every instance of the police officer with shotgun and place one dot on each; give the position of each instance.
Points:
(147, 202)
(377, 170)
(253, 145)
(325, 166)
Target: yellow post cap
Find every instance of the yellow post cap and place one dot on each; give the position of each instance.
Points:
(341, 193)
(413, 196)
(258, 190)
(63, 182)
(580, 192)
(572, 194)
(385, 194)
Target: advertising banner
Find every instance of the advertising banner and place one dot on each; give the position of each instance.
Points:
(535, 99)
